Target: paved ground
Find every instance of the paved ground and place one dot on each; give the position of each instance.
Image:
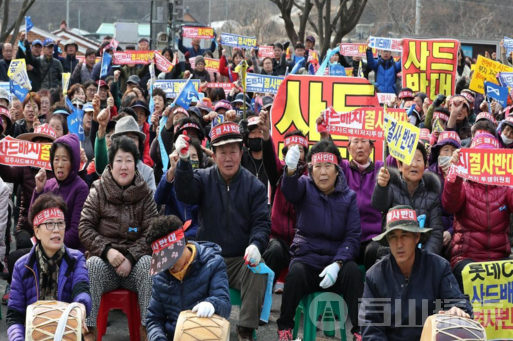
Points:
(118, 330)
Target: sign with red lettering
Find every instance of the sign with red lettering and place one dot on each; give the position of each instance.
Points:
(363, 122)
(14, 152)
(430, 66)
(265, 51)
(486, 166)
(132, 57)
(302, 98)
(162, 63)
(356, 50)
(198, 32)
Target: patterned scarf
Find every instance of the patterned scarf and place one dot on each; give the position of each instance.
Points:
(48, 272)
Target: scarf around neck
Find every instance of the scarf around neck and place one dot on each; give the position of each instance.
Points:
(48, 272)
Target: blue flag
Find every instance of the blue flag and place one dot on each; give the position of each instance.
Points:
(186, 96)
(151, 105)
(311, 69)
(297, 66)
(17, 90)
(28, 24)
(322, 68)
(499, 93)
(106, 59)
(75, 119)
(337, 69)
(163, 153)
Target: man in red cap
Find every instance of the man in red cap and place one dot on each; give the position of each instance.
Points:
(233, 213)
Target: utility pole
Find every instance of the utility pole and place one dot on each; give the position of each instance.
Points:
(209, 12)
(417, 17)
(67, 13)
(225, 9)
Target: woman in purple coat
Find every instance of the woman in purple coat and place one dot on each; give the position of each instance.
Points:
(328, 233)
(50, 271)
(65, 160)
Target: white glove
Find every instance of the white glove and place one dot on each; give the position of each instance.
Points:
(182, 146)
(252, 255)
(204, 309)
(330, 274)
(292, 157)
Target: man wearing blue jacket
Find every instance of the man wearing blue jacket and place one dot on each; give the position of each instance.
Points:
(385, 70)
(233, 213)
(186, 276)
(408, 285)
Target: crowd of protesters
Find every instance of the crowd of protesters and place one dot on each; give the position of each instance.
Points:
(107, 215)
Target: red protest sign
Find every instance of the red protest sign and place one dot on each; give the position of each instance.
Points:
(486, 166)
(265, 51)
(21, 153)
(198, 32)
(363, 122)
(224, 86)
(301, 99)
(162, 63)
(356, 50)
(430, 66)
(132, 57)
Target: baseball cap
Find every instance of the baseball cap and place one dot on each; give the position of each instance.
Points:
(48, 42)
(134, 79)
(45, 131)
(37, 42)
(102, 83)
(310, 38)
(88, 107)
(224, 133)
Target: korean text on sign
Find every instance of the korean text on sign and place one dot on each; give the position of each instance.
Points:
(388, 44)
(363, 122)
(356, 50)
(402, 139)
(133, 57)
(15, 152)
(486, 70)
(234, 40)
(430, 66)
(263, 83)
(198, 32)
(489, 286)
(486, 166)
(172, 87)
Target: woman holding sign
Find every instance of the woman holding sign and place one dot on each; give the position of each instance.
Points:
(412, 186)
(481, 215)
(328, 232)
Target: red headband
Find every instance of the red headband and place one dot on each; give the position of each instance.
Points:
(486, 116)
(296, 140)
(440, 115)
(449, 135)
(181, 110)
(167, 241)
(324, 157)
(405, 94)
(50, 213)
(401, 215)
(190, 125)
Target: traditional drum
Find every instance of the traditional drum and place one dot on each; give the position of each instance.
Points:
(190, 327)
(43, 322)
(441, 327)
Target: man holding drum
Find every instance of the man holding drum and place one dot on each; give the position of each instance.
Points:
(408, 277)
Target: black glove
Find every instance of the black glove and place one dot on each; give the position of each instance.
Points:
(439, 100)
(244, 127)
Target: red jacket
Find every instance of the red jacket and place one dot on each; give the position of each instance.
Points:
(224, 69)
(481, 220)
(146, 155)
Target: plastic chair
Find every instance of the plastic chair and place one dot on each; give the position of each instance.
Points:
(309, 324)
(235, 299)
(124, 300)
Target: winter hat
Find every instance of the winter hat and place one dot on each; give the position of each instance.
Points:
(128, 125)
(5, 95)
(484, 141)
(6, 115)
(200, 59)
(445, 138)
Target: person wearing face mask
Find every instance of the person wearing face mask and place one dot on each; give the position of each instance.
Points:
(506, 132)
(481, 215)
(252, 157)
(411, 185)
(166, 194)
(439, 164)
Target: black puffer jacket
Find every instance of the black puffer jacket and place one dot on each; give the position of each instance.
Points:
(425, 200)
